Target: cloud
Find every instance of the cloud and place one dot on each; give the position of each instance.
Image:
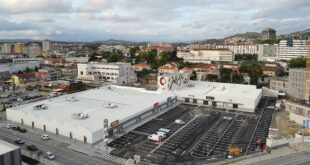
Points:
(30, 6)
(148, 20)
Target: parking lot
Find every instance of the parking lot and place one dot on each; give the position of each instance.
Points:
(205, 135)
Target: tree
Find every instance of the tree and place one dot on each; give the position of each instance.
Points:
(225, 74)
(20, 72)
(113, 57)
(255, 72)
(92, 58)
(194, 75)
(297, 63)
(243, 69)
(163, 58)
(132, 51)
(36, 68)
(237, 78)
(27, 70)
(212, 77)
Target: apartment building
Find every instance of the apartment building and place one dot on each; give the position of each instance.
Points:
(18, 47)
(296, 82)
(7, 48)
(236, 48)
(207, 56)
(268, 52)
(10, 154)
(117, 73)
(299, 110)
(289, 49)
(279, 84)
(46, 46)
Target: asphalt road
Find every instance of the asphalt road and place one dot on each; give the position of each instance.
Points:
(300, 158)
(63, 155)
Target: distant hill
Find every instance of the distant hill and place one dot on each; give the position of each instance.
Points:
(296, 35)
(120, 42)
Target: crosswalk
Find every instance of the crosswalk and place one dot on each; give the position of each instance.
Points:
(48, 162)
(112, 158)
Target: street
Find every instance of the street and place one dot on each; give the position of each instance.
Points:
(300, 158)
(63, 155)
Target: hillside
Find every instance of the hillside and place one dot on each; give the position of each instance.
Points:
(296, 35)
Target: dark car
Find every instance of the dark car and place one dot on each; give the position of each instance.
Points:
(32, 147)
(22, 130)
(16, 128)
(19, 141)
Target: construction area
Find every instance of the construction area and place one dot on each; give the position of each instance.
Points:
(193, 133)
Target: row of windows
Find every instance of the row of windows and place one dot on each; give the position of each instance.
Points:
(206, 102)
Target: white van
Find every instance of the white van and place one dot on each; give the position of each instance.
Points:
(155, 137)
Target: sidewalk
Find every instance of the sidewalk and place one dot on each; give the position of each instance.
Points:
(275, 153)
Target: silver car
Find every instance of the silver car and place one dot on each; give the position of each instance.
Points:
(49, 155)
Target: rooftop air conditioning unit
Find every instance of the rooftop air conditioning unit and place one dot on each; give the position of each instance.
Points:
(71, 98)
(110, 105)
(80, 116)
(40, 107)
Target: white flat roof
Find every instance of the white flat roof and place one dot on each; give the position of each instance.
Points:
(130, 102)
(6, 147)
(224, 92)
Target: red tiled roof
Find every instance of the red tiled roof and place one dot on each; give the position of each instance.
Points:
(228, 44)
(271, 68)
(53, 59)
(12, 54)
(139, 51)
(141, 65)
(217, 49)
(158, 47)
(234, 69)
(186, 69)
(32, 74)
(211, 71)
(167, 67)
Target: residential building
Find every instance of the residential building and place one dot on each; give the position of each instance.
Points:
(167, 69)
(118, 72)
(279, 84)
(34, 50)
(52, 73)
(140, 67)
(70, 71)
(23, 80)
(18, 48)
(186, 70)
(207, 56)
(25, 50)
(271, 71)
(236, 48)
(46, 46)
(269, 33)
(296, 82)
(23, 60)
(9, 154)
(202, 74)
(299, 110)
(267, 52)
(289, 49)
(160, 44)
(7, 48)
(160, 49)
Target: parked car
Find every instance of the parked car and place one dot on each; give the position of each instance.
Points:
(49, 155)
(16, 128)
(8, 126)
(155, 137)
(179, 121)
(32, 147)
(19, 141)
(22, 130)
(45, 137)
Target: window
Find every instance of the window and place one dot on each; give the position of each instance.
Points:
(235, 105)
(194, 100)
(81, 72)
(186, 100)
(214, 103)
(205, 102)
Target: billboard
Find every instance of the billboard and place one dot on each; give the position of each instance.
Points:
(173, 81)
(105, 127)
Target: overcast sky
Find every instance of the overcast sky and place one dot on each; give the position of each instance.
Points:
(148, 20)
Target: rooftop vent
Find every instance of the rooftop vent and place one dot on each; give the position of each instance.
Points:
(80, 116)
(40, 107)
(110, 105)
(71, 98)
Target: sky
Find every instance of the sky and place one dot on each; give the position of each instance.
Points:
(148, 20)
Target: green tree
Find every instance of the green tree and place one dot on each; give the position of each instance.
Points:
(194, 75)
(105, 54)
(36, 68)
(212, 77)
(163, 58)
(297, 63)
(237, 78)
(27, 70)
(243, 69)
(113, 57)
(132, 51)
(255, 72)
(225, 74)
